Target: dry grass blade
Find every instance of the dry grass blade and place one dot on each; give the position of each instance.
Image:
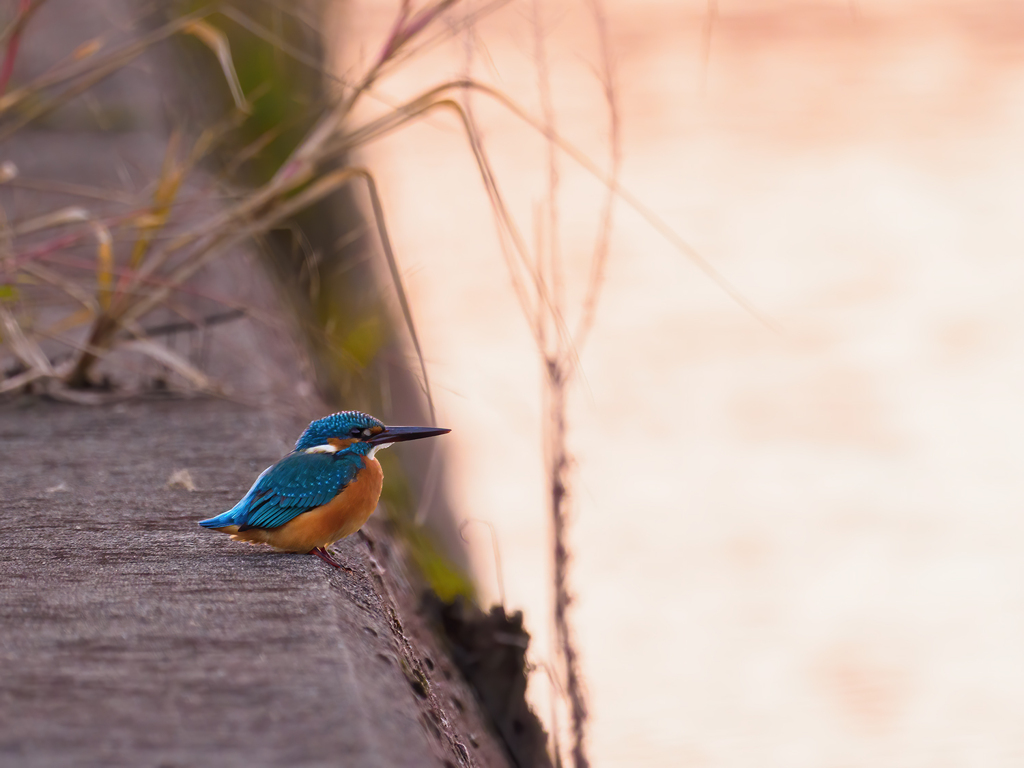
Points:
(70, 287)
(278, 42)
(25, 8)
(602, 243)
(171, 359)
(415, 107)
(396, 278)
(499, 573)
(299, 182)
(108, 62)
(449, 31)
(46, 249)
(225, 238)
(312, 149)
(25, 13)
(522, 268)
(171, 176)
(26, 350)
(104, 265)
(68, 188)
(217, 42)
(552, 265)
(87, 49)
(517, 256)
(72, 215)
(283, 210)
(79, 317)
(253, 149)
(15, 383)
(6, 249)
(82, 75)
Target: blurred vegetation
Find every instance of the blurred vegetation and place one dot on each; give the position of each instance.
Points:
(257, 110)
(269, 123)
(321, 256)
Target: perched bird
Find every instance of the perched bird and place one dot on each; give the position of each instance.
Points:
(322, 491)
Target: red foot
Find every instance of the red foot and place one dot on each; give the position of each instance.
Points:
(324, 555)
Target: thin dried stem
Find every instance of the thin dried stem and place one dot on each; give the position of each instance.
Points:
(26, 350)
(559, 477)
(603, 241)
(396, 278)
(499, 573)
(444, 34)
(517, 257)
(556, 354)
(25, 12)
(553, 261)
(83, 75)
(11, 52)
(159, 265)
(426, 101)
(67, 188)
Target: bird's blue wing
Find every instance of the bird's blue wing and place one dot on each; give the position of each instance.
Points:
(297, 484)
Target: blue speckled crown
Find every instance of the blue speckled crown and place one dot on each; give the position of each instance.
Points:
(339, 425)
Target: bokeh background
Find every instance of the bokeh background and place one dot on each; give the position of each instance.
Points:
(796, 545)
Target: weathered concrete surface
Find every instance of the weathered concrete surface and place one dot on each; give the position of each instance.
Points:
(130, 636)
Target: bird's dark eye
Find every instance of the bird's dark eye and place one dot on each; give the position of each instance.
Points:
(355, 431)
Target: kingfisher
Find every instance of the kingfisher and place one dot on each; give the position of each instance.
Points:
(321, 492)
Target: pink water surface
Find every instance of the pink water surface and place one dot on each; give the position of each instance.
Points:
(792, 548)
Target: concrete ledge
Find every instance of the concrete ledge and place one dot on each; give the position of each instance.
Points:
(130, 636)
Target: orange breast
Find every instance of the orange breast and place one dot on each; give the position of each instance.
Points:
(322, 526)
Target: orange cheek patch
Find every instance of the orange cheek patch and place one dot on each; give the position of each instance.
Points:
(339, 444)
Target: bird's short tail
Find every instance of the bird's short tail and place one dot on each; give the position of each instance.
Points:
(234, 516)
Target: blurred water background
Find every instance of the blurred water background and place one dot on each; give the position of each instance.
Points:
(795, 547)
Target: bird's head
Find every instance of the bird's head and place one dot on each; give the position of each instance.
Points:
(357, 432)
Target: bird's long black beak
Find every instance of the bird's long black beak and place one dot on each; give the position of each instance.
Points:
(401, 434)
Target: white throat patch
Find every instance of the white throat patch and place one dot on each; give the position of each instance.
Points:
(334, 449)
(377, 448)
(322, 449)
